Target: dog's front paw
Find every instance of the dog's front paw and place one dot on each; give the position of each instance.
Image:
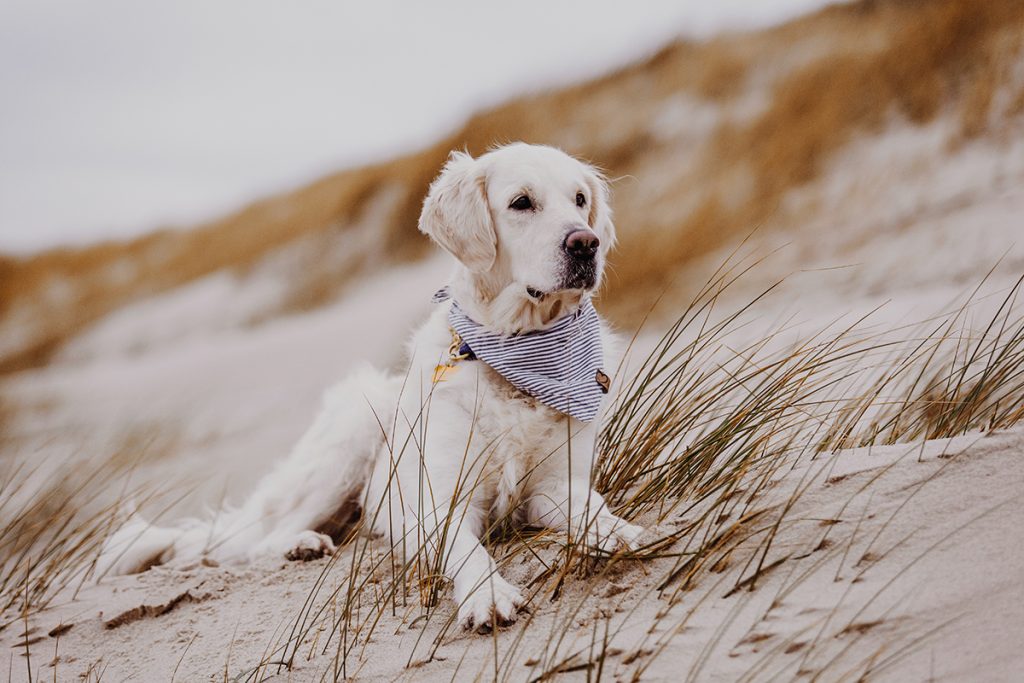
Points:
(609, 533)
(495, 603)
(311, 546)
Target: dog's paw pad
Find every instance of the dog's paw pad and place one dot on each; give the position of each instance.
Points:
(609, 534)
(496, 603)
(311, 546)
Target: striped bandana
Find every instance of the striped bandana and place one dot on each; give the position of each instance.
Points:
(559, 366)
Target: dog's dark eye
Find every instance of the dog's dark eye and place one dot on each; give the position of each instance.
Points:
(580, 199)
(521, 203)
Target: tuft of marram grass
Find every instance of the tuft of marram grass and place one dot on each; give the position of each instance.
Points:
(53, 524)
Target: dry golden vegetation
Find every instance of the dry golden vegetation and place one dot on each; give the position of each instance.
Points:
(780, 103)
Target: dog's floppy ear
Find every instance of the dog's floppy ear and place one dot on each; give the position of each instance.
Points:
(456, 214)
(600, 218)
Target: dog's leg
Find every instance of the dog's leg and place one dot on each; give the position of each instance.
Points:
(326, 469)
(485, 599)
(425, 500)
(580, 511)
(322, 476)
(449, 539)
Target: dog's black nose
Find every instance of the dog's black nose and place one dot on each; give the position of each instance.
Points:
(581, 244)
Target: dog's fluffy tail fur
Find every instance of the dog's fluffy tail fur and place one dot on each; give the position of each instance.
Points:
(315, 489)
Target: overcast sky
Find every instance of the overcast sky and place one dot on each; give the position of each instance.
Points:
(120, 116)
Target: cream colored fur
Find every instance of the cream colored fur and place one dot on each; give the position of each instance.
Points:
(453, 456)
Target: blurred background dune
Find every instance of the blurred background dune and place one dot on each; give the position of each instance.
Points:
(873, 147)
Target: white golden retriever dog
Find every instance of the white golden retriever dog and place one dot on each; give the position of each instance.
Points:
(436, 455)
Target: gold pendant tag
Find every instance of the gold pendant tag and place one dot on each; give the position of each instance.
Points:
(443, 372)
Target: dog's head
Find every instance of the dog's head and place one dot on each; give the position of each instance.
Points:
(530, 227)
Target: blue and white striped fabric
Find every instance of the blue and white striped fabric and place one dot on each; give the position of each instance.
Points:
(559, 366)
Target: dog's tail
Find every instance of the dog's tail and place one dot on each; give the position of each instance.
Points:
(317, 488)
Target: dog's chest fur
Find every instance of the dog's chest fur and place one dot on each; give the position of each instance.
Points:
(517, 434)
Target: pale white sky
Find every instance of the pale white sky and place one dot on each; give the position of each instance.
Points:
(120, 116)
